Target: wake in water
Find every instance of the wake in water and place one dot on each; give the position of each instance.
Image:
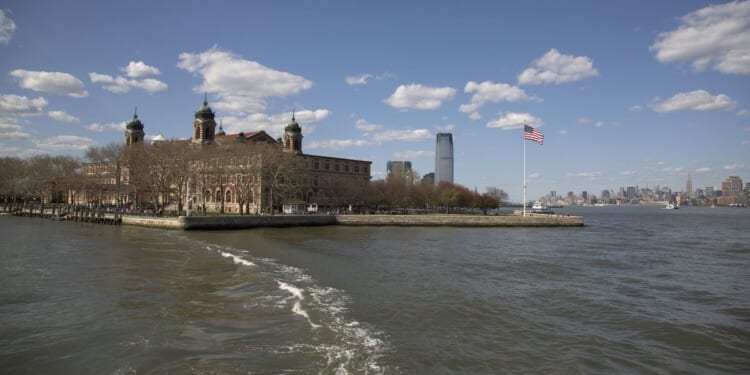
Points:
(345, 345)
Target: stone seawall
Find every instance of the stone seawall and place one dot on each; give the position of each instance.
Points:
(531, 220)
(242, 222)
(154, 222)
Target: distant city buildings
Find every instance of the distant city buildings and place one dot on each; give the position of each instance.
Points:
(732, 193)
(400, 170)
(444, 158)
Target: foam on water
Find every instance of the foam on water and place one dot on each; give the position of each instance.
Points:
(356, 345)
(297, 308)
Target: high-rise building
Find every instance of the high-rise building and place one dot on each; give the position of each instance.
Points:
(444, 158)
(732, 192)
(400, 170)
(689, 187)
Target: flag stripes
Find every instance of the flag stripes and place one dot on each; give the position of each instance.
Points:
(532, 134)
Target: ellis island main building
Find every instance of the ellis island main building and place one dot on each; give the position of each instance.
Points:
(247, 172)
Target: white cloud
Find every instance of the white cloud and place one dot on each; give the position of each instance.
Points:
(745, 143)
(534, 175)
(629, 173)
(562, 132)
(635, 108)
(716, 36)
(137, 69)
(9, 130)
(475, 116)
(493, 92)
(21, 105)
(742, 112)
(273, 124)
(515, 121)
(7, 28)
(445, 128)
(360, 79)
(365, 126)
(65, 143)
(50, 82)
(557, 68)
(703, 170)
(97, 127)
(417, 96)
(363, 79)
(585, 174)
(338, 144)
(63, 116)
(413, 154)
(242, 86)
(121, 85)
(734, 167)
(599, 124)
(403, 135)
(698, 100)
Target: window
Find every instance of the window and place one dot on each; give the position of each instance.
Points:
(207, 196)
(328, 165)
(356, 168)
(346, 167)
(315, 180)
(316, 164)
(229, 196)
(218, 196)
(337, 166)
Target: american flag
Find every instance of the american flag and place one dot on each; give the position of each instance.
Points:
(533, 134)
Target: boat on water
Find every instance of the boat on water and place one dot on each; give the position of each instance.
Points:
(671, 206)
(538, 207)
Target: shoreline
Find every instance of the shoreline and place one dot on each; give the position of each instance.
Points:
(232, 222)
(283, 221)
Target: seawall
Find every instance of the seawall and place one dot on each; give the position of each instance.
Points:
(244, 222)
(531, 220)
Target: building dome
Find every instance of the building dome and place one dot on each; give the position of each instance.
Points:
(293, 126)
(205, 111)
(135, 123)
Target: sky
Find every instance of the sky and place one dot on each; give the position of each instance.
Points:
(626, 92)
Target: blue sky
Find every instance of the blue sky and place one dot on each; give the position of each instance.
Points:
(626, 92)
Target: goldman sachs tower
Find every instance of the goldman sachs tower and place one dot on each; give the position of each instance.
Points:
(444, 158)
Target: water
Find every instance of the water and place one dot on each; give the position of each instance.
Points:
(638, 290)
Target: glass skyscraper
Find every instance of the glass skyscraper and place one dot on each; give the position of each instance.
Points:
(444, 158)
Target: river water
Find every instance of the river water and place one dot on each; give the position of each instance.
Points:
(637, 290)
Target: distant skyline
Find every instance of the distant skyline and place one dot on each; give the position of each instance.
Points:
(626, 92)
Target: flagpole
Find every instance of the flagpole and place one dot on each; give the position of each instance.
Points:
(524, 171)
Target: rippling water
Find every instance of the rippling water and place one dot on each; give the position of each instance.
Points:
(638, 290)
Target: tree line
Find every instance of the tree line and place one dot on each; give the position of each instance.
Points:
(154, 176)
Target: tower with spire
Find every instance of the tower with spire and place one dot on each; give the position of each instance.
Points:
(134, 130)
(204, 125)
(293, 137)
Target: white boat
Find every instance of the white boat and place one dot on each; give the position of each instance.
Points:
(538, 207)
(671, 206)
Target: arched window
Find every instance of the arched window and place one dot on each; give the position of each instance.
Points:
(229, 197)
(218, 196)
(207, 196)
